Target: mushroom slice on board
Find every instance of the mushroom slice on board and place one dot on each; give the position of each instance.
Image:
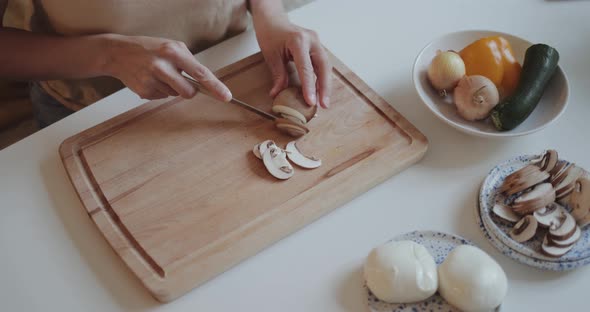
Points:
(296, 156)
(275, 161)
(291, 102)
(540, 196)
(549, 215)
(291, 127)
(523, 179)
(287, 112)
(259, 149)
(564, 229)
(568, 241)
(525, 229)
(256, 151)
(553, 250)
(294, 119)
(505, 213)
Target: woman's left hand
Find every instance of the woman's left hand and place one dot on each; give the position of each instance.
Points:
(282, 42)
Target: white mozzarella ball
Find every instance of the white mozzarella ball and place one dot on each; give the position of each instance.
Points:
(471, 280)
(401, 272)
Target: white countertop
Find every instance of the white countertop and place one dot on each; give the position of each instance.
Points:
(52, 257)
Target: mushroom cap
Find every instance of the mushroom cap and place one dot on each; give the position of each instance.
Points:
(292, 98)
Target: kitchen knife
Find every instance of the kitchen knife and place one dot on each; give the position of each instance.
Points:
(234, 101)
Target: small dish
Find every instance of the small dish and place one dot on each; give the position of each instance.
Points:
(439, 245)
(526, 260)
(499, 228)
(551, 106)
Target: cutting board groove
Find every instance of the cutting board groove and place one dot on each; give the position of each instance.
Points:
(175, 190)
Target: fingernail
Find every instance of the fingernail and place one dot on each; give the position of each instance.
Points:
(326, 101)
(313, 99)
(228, 96)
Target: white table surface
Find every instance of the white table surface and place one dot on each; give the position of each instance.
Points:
(52, 258)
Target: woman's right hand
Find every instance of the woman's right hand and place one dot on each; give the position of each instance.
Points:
(152, 68)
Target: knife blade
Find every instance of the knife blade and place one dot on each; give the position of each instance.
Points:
(234, 101)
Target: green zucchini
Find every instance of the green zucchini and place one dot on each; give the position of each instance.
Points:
(540, 63)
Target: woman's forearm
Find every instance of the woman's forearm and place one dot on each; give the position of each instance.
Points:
(29, 56)
(267, 11)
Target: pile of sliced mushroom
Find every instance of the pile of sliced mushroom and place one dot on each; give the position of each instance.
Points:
(276, 159)
(549, 195)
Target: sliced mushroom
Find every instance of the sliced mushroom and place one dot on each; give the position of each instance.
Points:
(548, 160)
(565, 187)
(566, 242)
(292, 103)
(580, 201)
(523, 179)
(549, 215)
(294, 119)
(525, 229)
(540, 196)
(552, 250)
(275, 161)
(290, 127)
(295, 155)
(505, 212)
(559, 175)
(260, 148)
(256, 151)
(564, 229)
(584, 221)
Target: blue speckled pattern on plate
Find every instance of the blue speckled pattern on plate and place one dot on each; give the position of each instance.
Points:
(439, 245)
(519, 257)
(499, 228)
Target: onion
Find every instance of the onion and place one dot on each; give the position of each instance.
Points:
(445, 71)
(475, 97)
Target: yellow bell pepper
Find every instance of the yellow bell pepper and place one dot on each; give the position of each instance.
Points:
(493, 58)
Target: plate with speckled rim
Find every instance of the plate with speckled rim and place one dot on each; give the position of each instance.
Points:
(439, 245)
(526, 260)
(489, 195)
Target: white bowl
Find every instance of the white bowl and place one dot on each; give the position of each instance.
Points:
(551, 106)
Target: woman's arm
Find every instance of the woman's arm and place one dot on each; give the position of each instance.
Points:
(151, 67)
(281, 41)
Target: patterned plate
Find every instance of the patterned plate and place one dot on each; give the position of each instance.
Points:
(439, 245)
(519, 257)
(489, 195)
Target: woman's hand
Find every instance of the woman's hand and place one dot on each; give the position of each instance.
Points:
(281, 42)
(152, 68)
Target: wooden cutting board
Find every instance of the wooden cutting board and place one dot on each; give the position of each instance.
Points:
(176, 191)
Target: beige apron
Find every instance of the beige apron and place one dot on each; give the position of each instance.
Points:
(198, 23)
